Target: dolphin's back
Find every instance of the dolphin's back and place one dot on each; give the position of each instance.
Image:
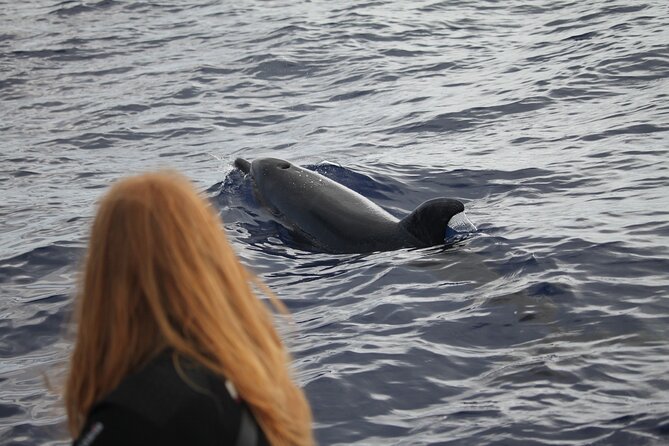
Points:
(330, 215)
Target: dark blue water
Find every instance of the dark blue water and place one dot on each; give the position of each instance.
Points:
(548, 119)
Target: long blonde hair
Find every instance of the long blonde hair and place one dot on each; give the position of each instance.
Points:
(160, 273)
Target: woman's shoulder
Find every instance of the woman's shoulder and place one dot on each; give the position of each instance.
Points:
(163, 387)
(167, 401)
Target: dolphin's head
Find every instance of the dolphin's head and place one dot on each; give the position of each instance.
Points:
(266, 171)
(275, 181)
(437, 221)
(270, 173)
(263, 168)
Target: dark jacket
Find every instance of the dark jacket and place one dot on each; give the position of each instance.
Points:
(160, 405)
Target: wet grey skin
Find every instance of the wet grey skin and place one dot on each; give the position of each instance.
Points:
(338, 220)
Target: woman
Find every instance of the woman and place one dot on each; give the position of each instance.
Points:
(172, 344)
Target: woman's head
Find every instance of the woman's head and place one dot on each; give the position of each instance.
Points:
(160, 273)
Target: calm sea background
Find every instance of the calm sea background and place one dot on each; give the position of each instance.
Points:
(549, 119)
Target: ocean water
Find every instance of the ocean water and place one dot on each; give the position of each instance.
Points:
(549, 119)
